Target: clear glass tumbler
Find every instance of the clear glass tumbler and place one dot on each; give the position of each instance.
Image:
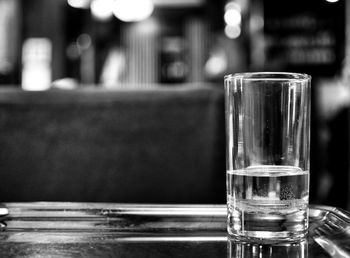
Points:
(267, 155)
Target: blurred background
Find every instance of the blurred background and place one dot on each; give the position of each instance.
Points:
(92, 92)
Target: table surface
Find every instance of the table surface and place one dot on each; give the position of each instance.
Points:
(133, 230)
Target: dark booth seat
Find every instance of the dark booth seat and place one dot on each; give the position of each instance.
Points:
(161, 145)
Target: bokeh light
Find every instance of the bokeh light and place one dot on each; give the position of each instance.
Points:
(232, 17)
(133, 10)
(84, 4)
(232, 32)
(102, 9)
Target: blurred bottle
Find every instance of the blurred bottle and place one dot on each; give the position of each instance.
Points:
(174, 68)
(36, 64)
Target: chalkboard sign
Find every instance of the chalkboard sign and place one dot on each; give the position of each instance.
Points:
(305, 36)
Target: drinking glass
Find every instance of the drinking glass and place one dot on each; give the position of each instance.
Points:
(267, 155)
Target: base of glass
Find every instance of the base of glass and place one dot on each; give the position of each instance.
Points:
(266, 237)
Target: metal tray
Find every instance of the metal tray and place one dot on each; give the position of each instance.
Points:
(134, 230)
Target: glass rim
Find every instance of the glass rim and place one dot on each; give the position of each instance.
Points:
(270, 76)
